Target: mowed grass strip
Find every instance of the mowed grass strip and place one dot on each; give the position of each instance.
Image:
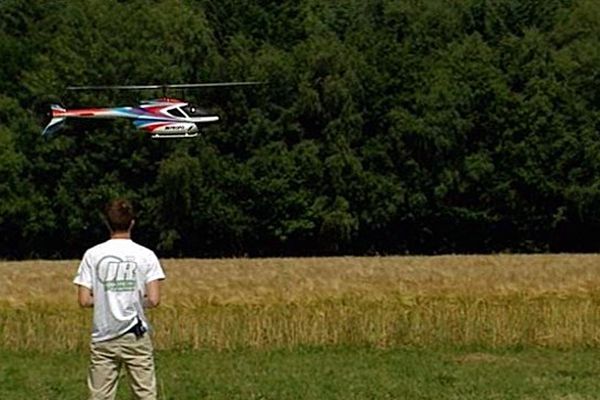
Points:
(324, 374)
(491, 301)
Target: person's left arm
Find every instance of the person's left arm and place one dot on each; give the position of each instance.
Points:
(85, 297)
(83, 280)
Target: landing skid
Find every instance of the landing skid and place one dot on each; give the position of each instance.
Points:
(174, 136)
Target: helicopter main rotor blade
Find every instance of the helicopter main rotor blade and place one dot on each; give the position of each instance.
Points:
(167, 86)
(214, 84)
(115, 87)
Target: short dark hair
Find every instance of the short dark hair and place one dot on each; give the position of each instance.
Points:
(119, 214)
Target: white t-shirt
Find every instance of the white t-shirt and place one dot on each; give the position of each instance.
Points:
(117, 272)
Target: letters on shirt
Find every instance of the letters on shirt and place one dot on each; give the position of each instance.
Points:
(116, 274)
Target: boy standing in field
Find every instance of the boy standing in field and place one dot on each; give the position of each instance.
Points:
(119, 278)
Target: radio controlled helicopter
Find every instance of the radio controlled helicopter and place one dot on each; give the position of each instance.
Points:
(163, 118)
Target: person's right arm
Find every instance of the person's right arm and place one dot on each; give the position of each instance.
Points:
(152, 298)
(154, 275)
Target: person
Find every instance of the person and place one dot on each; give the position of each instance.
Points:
(119, 279)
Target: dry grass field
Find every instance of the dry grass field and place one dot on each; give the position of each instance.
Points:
(490, 301)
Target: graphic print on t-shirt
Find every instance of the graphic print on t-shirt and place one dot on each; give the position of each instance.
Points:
(116, 274)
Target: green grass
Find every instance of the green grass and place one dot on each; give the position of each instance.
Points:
(325, 373)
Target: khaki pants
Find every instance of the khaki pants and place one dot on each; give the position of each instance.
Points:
(105, 364)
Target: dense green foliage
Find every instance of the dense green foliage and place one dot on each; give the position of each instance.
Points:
(324, 374)
(387, 126)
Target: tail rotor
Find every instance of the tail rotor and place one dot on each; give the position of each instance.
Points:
(54, 118)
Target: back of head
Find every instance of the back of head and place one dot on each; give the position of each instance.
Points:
(119, 215)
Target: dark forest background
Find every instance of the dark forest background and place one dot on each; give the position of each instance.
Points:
(385, 126)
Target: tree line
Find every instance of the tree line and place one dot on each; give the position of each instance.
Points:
(384, 126)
